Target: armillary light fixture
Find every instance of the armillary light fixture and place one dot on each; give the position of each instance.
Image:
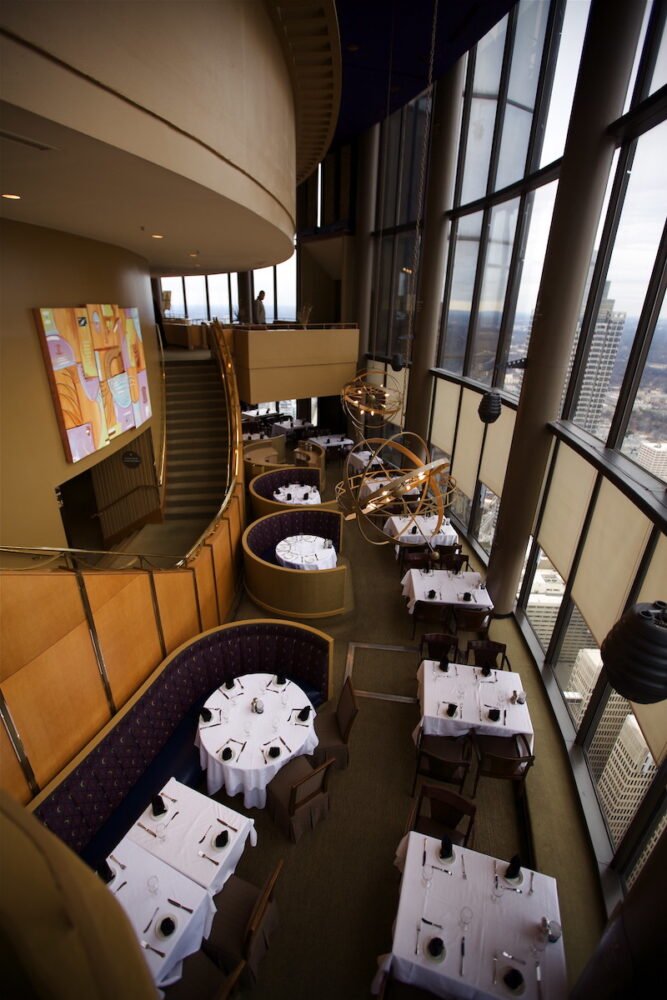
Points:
(371, 399)
(634, 653)
(399, 478)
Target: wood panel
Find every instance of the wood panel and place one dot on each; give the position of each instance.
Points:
(205, 579)
(124, 617)
(12, 779)
(57, 702)
(36, 610)
(220, 543)
(177, 605)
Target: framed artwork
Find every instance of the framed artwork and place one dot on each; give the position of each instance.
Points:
(97, 372)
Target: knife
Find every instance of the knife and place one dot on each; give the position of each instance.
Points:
(174, 902)
(463, 952)
(495, 969)
(431, 923)
(234, 828)
(538, 975)
(419, 927)
(152, 832)
(463, 867)
(424, 853)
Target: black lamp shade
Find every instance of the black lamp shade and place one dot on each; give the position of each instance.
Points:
(489, 407)
(397, 362)
(634, 653)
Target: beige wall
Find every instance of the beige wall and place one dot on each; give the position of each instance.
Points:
(42, 267)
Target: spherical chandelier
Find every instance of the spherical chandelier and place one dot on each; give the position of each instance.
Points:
(371, 399)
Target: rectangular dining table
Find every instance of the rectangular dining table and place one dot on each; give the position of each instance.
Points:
(449, 588)
(501, 922)
(401, 528)
(149, 890)
(185, 835)
(474, 696)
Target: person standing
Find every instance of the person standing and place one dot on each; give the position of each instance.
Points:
(258, 308)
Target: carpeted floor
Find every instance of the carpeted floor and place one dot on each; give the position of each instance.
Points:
(338, 892)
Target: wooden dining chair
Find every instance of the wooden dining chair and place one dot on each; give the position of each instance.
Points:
(477, 620)
(417, 558)
(298, 796)
(487, 653)
(393, 989)
(439, 813)
(203, 979)
(437, 646)
(443, 758)
(505, 757)
(245, 919)
(432, 613)
(333, 726)
(454, 561)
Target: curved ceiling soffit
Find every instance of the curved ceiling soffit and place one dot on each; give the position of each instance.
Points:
(308, 30)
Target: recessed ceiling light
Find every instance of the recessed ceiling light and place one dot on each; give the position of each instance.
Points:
(157, 236)
(195, 253)
(12, 197)
(353, 47)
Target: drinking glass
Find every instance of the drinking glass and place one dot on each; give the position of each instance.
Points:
(161, 831)
(153, 884)
(465, 917)
(427, 875)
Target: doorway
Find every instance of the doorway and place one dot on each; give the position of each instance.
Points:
(78, 509)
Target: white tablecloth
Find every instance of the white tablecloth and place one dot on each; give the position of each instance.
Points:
(300, 494)
(251, 768)
(285, 426)
(263, 411)
(360, 460)
(333, 441)
(449, 588)
(190, 825)
(510, 923)
(401, 529)
(131, 888)
(258, 436)
(474, 695)
(306, 552)
(372, 485)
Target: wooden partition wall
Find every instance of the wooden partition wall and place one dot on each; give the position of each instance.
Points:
(75, 646)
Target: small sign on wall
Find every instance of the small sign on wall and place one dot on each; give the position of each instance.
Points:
(131, 459)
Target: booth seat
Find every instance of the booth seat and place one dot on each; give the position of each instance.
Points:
(92, 803)
(295, 593)
(262, 487)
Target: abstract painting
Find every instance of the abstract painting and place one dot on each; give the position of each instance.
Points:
(97, 371)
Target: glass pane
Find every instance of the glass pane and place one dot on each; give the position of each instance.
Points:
(287, 407)
(195, 296)
(218, 297)
(177, 306)
(638, 54)
(466, 249)
(578, 667)
(544, 600)
(263, 282)
(659, 78)
(653, 839)
(382, 294)
(484, 527)
(513, 145)
(460, 507)
(489, 59)
(404, 295)
(286, 277)
(478, 149)
(235, 297)
(646, 437)
(494, 284)
(565, 78)
(540, 209)
(388, 179)
(414, 127)
(632, 260)
(621, 764)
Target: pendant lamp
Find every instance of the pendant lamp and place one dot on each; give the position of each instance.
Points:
(634, 653)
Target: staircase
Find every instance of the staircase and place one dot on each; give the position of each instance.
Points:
(197, 443)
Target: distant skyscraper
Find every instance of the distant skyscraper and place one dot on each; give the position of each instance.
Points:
(599, 364)
(542, 609)
(626, 777)
(653, 457)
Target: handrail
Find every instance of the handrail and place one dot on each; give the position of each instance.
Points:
(163, 436)
(141, 486)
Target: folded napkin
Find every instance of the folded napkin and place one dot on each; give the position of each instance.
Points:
(221, 839)
(157, 805)
(513, 979)
(167, 926)
(304, 714)
(413, 529)
(289, 496)
(275, 751)
(106, 872)
(486, 670)
(494, 714)
(514, 867)
(227, 753)
(446, 848)
(444, 665)
(306, 496)
(431, 595)
(205, 715)
(435, 947)
(229, 683)
(452, 709)
(467, 596)
(281, 679)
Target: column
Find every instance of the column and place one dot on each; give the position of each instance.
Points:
(606, 64)
(367, 170)
(244, 282)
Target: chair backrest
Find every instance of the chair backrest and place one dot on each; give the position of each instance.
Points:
(516, 766)
(306, 789)
(258, 912)
(346, 710)
(471, 618)
(448, 550)
(416, 560)
(438, 645)
(446, 807)
(486, 653)
(227, 989)
(454, 561)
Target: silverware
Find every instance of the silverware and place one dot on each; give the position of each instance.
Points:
(203, 838)
(532, 878)
(419, 927)
(463, 952)
(116, 891)
(284, 744)
(149, 947)
(504, 717)
(509, 888)
(175, 902)
(513, 958)
(211, 725)
(152, 832)
(165, 796)
(174, 815)
(445, 870)
(145, 930)
(495, 969)
(431, 923)
(117, 862)
(203, 855)
(463, 867)
(234, 828)
(538, 976)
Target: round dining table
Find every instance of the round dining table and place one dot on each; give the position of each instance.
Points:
(297, 493)
(306, 552)
(240, 749)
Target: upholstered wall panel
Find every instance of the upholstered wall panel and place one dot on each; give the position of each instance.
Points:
(126, 626)
(569, 496)
(496, 450)
(444, 414)
(177, 605)
(468, 443)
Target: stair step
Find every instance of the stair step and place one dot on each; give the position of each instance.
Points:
(183, 513)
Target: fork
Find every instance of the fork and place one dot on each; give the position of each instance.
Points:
(149, 947)
(203, 855)
(202, 839)
(151, 920)
(119, 863)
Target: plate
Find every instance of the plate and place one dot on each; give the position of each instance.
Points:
(158, 932)
(514, 881)
(434, 958)
(215, 846)
(520, 989)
